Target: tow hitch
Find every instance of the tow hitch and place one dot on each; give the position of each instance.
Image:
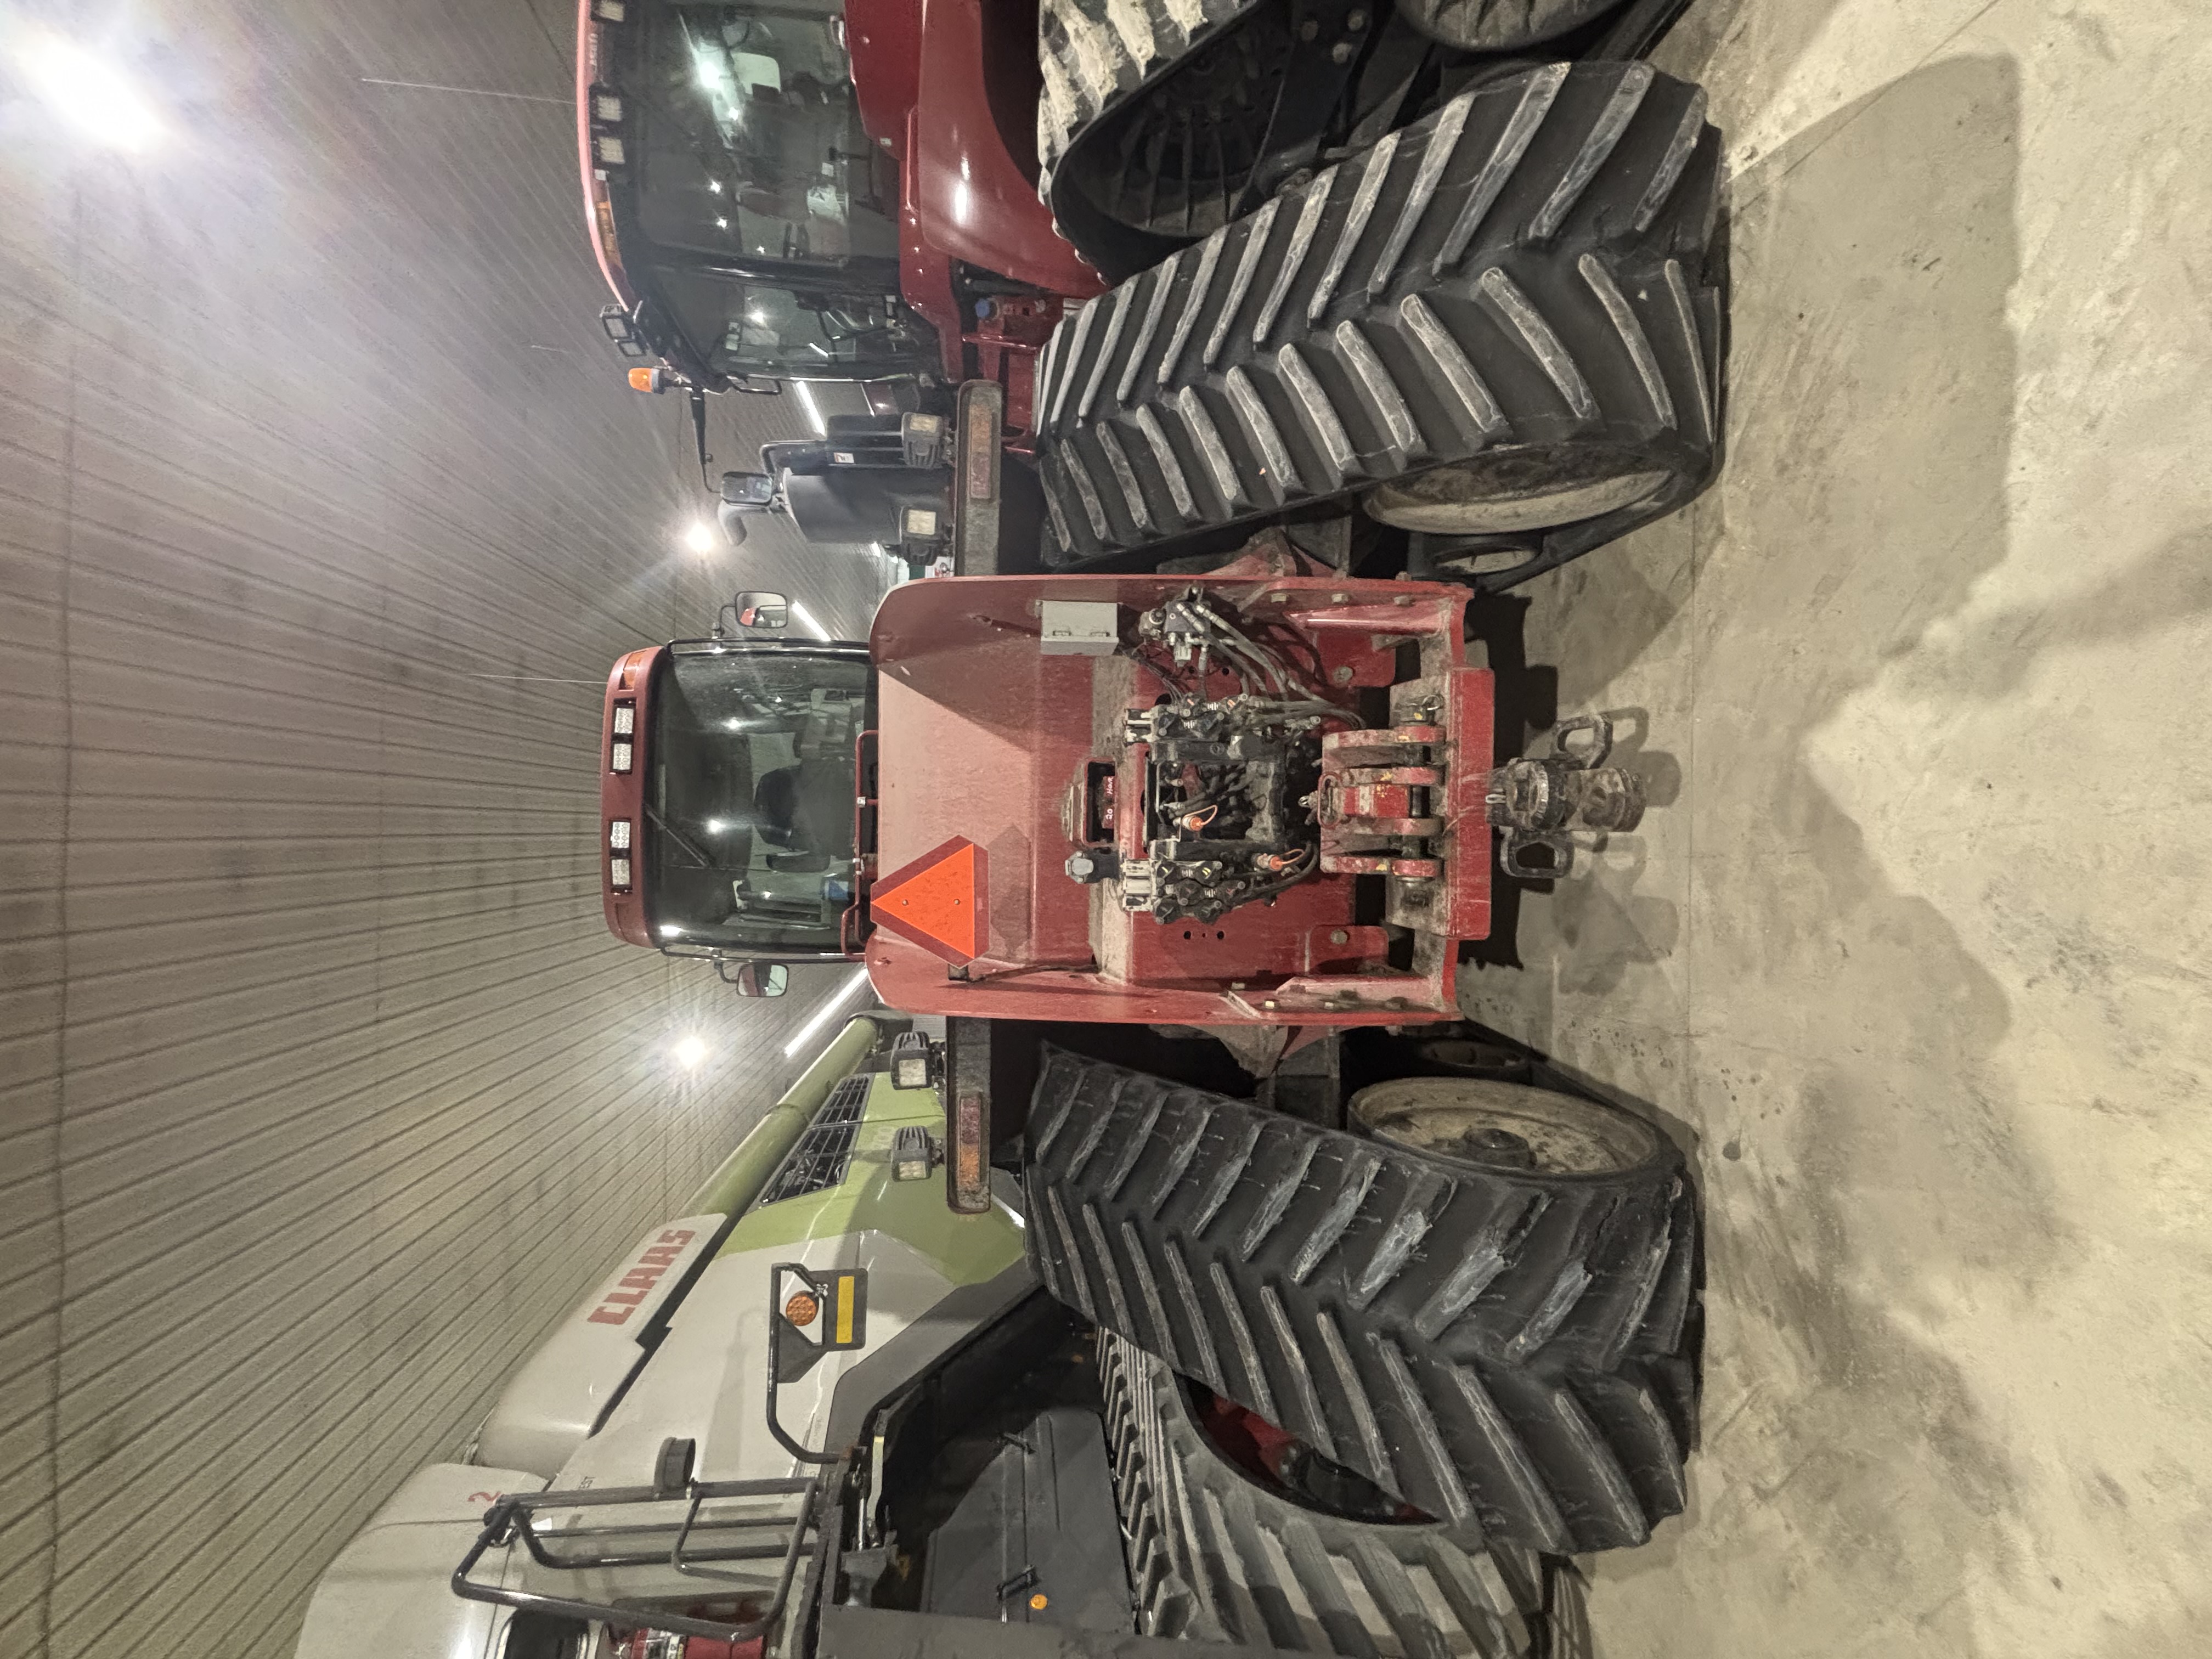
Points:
(1536, 801)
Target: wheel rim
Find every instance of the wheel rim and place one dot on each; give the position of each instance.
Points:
(1530, 488)
(1510, 1126)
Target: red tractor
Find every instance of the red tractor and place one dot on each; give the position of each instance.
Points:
(1452, 261)
(1181, 801)
(1189, 862)
(769, 205)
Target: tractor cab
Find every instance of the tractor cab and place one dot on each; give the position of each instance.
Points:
(738, 209)
(730, 792)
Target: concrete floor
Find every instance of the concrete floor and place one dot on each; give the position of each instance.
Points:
(324, 511)
(1915, 943)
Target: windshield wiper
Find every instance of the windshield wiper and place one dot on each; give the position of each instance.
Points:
(683, 842)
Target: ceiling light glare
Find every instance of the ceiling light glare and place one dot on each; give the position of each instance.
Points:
(97, 100)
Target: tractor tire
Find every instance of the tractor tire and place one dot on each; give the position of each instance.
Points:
(1499, 321)
(1219, 1554)
(1503, 1349)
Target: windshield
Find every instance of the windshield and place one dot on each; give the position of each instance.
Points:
(747, 155)
(748, 833)
(753, 143)
(743, 327)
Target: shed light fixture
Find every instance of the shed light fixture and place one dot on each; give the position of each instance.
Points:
(823, 1015)
(93, 96)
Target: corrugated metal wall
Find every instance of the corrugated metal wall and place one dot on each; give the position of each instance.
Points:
(323, 510)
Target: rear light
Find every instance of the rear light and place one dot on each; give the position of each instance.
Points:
(618, 835)
(625, 718)
(618, 872)
(607, 108)
(609, 11)
(619, 758)
(607, 150)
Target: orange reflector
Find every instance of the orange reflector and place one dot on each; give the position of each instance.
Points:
(937, 901)
(640, 380)
(801, 1309)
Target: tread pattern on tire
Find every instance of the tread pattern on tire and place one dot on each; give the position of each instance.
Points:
(1523, 269)
(1094, 53)
(1503, 1351)
(1214, 1555)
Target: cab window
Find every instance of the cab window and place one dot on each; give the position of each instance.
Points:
(749, 798)
(753, 143)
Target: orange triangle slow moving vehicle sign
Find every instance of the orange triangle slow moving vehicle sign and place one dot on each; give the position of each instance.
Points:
(937, 901)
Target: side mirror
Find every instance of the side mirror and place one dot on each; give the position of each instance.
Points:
(749, 489)
(760, 979)
(763, 611)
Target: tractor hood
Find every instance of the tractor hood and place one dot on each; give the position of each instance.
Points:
(995, 745)
(980, 733)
